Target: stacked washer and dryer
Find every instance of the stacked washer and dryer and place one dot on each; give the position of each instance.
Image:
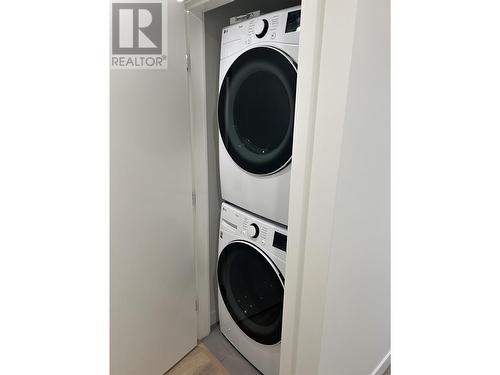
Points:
(256, 106)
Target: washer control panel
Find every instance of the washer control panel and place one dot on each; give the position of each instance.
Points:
(255, 230)
(252, 228)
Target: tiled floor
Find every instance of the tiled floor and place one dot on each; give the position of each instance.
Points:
(199, 361)
(231, 359)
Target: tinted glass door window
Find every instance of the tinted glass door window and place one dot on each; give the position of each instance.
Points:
(252, 291)
(256, 110)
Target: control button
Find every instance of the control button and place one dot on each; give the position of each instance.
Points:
(253, 231)
(261, 28)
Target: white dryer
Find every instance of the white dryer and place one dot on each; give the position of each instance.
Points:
(250, 274)
(256, 107)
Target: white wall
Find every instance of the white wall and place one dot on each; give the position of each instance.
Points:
(337, 298)
(357, 313)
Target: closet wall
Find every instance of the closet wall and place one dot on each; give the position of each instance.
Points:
(337, 296)
(214, 21)
(356, 330)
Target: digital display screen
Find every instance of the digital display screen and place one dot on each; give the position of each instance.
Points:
(293, 21)
(279, 241)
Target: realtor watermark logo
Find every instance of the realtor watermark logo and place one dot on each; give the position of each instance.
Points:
(138, 34)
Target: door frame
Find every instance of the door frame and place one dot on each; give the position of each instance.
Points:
(311, 42)
(195, 61)
(307, 87)
(317, 147)
(197, 105)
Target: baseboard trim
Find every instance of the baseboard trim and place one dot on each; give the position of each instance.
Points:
(383, 365)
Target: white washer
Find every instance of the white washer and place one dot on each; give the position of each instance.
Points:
(256, 108)
(250, 275)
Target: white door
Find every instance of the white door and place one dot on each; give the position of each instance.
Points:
(153, 317)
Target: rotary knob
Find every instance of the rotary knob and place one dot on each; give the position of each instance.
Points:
(261, 28)
(253, 231)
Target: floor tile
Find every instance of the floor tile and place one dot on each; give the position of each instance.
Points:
(239, 366)
(225, 352)
(218, 345)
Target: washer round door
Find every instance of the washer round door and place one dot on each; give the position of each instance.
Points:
(256, 110)
(252, 289)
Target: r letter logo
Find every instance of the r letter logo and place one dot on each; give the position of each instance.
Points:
(138, 33)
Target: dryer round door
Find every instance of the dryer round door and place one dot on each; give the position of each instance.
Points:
(256, 110)
(252, 289)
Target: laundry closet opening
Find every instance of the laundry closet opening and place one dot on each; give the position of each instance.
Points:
(261, 149)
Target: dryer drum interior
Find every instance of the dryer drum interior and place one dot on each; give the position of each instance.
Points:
(256, 110)
(252, 290)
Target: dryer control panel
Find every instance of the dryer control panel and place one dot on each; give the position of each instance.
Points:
(282, 27)
(252, 228)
